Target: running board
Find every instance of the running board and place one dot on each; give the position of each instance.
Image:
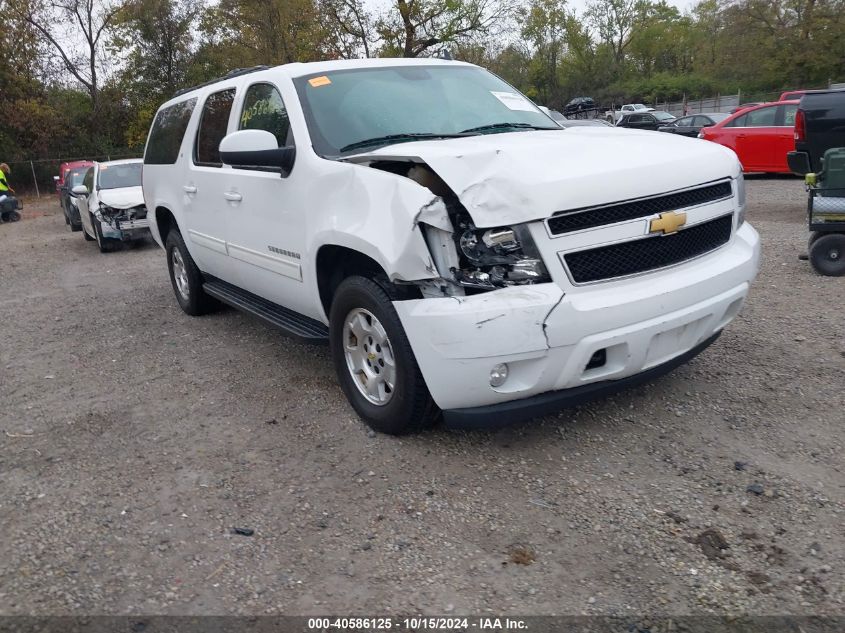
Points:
(290, 322)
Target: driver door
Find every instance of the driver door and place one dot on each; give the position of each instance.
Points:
(266, 210)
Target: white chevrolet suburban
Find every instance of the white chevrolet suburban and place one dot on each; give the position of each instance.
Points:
(462, 254)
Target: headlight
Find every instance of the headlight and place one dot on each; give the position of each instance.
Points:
(495, 258)
(740, 194)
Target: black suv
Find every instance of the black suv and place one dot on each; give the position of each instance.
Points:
(579, 104)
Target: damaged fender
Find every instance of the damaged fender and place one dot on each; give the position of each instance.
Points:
(375, 213)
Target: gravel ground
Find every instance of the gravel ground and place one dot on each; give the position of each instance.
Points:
(134, 438)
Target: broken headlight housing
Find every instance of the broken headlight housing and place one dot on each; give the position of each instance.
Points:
(497, 257)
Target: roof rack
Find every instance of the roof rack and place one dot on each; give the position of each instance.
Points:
(237, 72)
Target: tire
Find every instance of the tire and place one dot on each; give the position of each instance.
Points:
(104, 244)
(15, 217)
(827, 255)
(185, 278)
(362, 310)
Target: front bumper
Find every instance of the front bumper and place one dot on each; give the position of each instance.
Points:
(536, 406)
(126, 230)
(547, 336)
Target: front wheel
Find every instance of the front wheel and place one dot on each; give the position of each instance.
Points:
(374, 361)
(827, 254)
(103, 243)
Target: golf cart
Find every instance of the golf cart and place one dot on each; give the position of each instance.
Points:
(826, 214)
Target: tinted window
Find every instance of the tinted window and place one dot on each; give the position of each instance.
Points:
(685, 122)
(88, 180)
(264, 110)
(634, 118)
(212, 127)
(763, 117)
(737, 122)
(789, 114)
(119, 176)
(167, 132)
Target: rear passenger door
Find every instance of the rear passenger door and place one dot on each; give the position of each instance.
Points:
(754, 141)
(207, 212)
(267, 210)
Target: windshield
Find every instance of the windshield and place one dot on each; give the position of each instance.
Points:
(663, 116)
(639, 106)
(75, 177)
(349, 107)
(119, 176)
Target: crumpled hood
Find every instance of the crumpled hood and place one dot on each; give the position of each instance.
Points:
(523, 176)
(124, 198)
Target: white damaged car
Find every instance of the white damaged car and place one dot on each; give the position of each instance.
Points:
(463, 256)
(111, 204)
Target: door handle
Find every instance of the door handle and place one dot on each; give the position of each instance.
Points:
(189, 189)
(233, 196)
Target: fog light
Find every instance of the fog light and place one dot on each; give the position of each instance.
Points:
(498, 375)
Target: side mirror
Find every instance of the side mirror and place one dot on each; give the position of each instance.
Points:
(256, 148)
(79, 190)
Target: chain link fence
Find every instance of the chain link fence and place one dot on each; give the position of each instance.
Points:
(35, 176)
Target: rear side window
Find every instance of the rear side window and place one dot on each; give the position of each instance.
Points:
(167, 133)
(264, 109)
(789, 112)
(212, 128)
(764, 117)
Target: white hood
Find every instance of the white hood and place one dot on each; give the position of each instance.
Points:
(522, 176)
(124, 198)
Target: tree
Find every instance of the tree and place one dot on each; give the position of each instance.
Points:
(544, 25)
(614, 21)
(64, 21)
(414, 27)
(349, 28)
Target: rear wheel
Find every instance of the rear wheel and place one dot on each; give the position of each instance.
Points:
(186, 278)
(827, 254)
(374, 361)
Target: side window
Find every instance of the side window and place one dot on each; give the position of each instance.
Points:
(212, 128)
(167, 133)
(789, 114)
(686, 121)
(764, 117)
(264, 109)
(88, 181)
(634, 118)
(702, 121)
(740, 121)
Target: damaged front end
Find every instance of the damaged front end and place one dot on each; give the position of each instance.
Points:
(124, 223)
(468, 259)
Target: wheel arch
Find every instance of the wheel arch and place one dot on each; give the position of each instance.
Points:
(165, 221)
(335, 262)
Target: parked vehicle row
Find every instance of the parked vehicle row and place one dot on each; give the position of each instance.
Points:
(105, 201)
(462, 255)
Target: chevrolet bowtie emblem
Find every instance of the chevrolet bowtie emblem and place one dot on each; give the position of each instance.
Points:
(667, 223)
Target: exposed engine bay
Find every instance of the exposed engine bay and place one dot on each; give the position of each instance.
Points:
(124, 219)
(469, 258)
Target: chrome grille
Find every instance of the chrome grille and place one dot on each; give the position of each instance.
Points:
(633, 209)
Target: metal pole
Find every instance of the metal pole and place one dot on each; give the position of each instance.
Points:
(34, 179)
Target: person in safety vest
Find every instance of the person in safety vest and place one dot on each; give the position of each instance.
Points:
(5, 189)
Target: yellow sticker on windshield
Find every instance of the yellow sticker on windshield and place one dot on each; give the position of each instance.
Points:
(316, 82)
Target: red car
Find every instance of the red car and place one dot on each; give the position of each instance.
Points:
(761, 136)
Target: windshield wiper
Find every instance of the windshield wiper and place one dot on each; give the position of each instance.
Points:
(505, 126)
(393, 138)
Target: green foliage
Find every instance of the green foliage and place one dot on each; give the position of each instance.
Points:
(615, 51)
